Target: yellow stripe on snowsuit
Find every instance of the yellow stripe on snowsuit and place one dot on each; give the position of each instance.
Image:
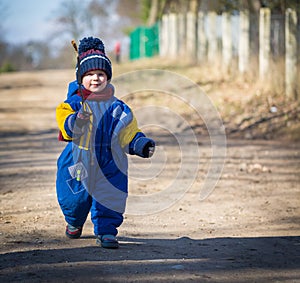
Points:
(128, 133)
(63, 110)
(85, 139)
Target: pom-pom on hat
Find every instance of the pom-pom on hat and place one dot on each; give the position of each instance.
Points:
(92, 56)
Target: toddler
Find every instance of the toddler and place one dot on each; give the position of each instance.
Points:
(100, 130)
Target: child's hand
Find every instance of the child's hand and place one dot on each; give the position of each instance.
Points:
(144, 147)
(82, 118)
(149, 149)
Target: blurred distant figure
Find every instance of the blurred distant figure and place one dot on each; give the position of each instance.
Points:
(117, 51)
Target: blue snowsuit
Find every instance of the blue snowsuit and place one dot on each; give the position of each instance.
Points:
(92, 169)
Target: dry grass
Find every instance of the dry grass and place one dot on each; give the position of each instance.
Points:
(250, 107)
(242, 100)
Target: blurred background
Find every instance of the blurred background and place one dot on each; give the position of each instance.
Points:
(37, 35)
(243, 53)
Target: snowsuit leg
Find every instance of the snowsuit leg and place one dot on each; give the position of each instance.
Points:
(109, 205)
(105, 220)
(75, 202)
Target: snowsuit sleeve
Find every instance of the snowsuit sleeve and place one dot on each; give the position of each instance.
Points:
(66, 115)
(133, 140)
(128, 134)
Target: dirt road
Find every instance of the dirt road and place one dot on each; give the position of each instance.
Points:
(246, 230)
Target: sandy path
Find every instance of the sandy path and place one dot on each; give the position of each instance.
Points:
(247, 230)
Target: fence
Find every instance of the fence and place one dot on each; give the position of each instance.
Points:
(247, 38)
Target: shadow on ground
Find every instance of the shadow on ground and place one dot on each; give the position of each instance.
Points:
(161, 260)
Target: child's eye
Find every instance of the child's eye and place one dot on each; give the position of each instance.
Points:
(100, 75)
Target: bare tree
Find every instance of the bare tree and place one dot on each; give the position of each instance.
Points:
(97, 13)
(194, 5)
(70, 18)
(153, 15)
(130, 9)
(76, 18)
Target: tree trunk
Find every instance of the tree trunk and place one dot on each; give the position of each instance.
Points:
(194, 6)
(153, 16)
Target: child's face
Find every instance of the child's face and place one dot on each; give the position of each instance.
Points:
(95, 81)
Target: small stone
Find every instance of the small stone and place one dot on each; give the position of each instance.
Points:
(265, 169)
(243, 167)
(255, 168)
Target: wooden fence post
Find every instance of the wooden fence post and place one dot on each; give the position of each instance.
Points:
(202, 41)
(182, 34)
(173, 35)
(226, 41)
(264, 43)
(244, 41)
(291, 53)
(191, 35)
(212, 36)
(164, 36)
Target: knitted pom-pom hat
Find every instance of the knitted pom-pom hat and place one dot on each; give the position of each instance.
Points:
(92, 56)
